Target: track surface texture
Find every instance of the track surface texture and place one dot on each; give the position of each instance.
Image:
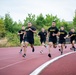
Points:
(12, 63)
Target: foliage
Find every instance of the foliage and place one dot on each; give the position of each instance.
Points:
(10, 28)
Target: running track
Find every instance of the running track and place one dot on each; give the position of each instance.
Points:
(12, 63)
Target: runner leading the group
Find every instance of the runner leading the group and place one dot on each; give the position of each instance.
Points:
(30, 30)
(42, 35)
(52, 34)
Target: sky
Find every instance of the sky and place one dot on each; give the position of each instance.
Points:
(19, 9)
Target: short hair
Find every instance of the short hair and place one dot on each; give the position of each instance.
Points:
(62, 26)
(54, 21)
(23, 26)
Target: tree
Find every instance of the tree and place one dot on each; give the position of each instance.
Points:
(2, 28)
(74, 21)
(8, 22)
(40, 21)
(30, 18)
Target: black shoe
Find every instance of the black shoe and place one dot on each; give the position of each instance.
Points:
(65, 47)
(74, 49)
(24, 55)
(45, 46)
(71, 48)
(59, 49)
(49, 55)
(20, 51)
(61, 52)
(54, 46)
(33, 50)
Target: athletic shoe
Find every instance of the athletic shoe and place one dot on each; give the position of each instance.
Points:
(41, 52)
(20, 51)
(49, 55)
(33, 50)
(54, 46)
(24, 55)
(45, 46)
(65, 47)
(71, 48)
(61, 52)
(74, 49)
(59, 49)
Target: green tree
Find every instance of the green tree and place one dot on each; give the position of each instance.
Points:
(74, 21)
(40, 21)
(30, 18)
(8, 22)
(2, 28)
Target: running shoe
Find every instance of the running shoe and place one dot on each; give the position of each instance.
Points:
(49, 55)
(24, 55)
(33, 50)
(61, 52)
(59, 49)
(65, 47)
(20, 51)
(41, 52)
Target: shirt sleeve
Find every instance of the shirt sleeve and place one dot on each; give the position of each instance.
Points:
(19, 31)
(39, 33)
(49, 30)
(57, 30)
(33, 28)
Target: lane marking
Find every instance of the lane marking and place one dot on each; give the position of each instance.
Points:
(24, 59)
(39, 69)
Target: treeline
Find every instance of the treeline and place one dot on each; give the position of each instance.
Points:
(9, 28)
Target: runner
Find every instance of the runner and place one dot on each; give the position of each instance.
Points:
(72, 35)
(21, 33)
(62, 37)
(42, 35)
(30, 30)
(52, 33)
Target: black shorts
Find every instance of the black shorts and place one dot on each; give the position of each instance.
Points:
(21, 40)
(71, 40)
(42, 41)
(61, 41)
(53, 40)
(30, 40)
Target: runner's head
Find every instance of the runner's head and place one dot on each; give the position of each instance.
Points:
(42, 29)
(72, 30)
(23, 27)
(53, 24)
(62, 28)
(29, 24)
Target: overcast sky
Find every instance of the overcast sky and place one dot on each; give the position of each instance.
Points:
(19, 9)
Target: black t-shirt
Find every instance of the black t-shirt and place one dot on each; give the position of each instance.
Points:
(73, 34)
(21, 35)
(63, 33)
(42, 35)
(30, 34)
(53, 30)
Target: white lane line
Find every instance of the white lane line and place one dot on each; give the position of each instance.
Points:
(11, 65)
(39, 69)
(25, 59)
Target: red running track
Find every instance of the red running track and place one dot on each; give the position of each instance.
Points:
(63, 66)
(12, 63)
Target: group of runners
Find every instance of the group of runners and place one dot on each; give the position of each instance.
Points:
(50, 36)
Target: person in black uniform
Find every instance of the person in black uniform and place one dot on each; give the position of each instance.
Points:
(72, 35)
(25, 43)
(30, 30)
(21, 33)
(62, 37)
(52, 33)
(42, 35)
